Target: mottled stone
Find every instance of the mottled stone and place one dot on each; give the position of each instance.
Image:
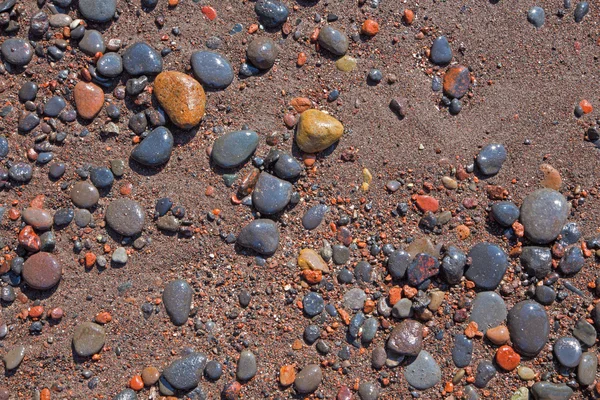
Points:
(457, 81)
(125, 217)
(84, 195)
(16, 51)
(88, 339)
(316, 131)
(262, 53)
(42, 271)
(543, 214)
(422, 268)
(406, 338)
(182, 97)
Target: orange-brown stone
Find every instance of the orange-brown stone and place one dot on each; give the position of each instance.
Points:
(427, 203)
(457, 81)
(507, 358)
(89, 99)
(287, 375)
(182, 97)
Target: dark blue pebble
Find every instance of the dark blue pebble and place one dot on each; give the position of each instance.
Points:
(63, 216)
(271, 194)
(141, 59)
(16, 51)
(3, 147)
(453, 265)
(572, 262)
(505, 213)
(441, 53)
(98, 11)
(545, 295)
(375, 75)
(54, 106)
(570, 234)
(313, 304)
(311, 334)
(212, 70)
(271, 13)
(287, 167)
(488, 265)
(314, 216)
(20, 172)
(248, 70)
(581, 10)
(491, 158)
(155, 149)
(44, 158)
(484, 374)
(213, 370)
(462, 351)
(102, 177)
(110, 65)
(163, 206)
(28, 91)
(333, 95)
(234, 148)
(261, 235)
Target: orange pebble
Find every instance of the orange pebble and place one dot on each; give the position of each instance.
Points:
(36, 312)
(301, 59)
(103, 317)
(507, 358)
(45, 394)
(173, 3)
(136, 383)
(586, 106)
(309, 159)
(90, 259)
(369, 28)
(409, 16)
(209, 12)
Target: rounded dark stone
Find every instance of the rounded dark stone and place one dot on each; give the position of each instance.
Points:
(572, 262)
(110, 65)
(484, 374)
(141, 59)
(54, 106)
(233, 149)
(261, 235)
(529, 327)
(185, 373)
(212, 70)
(308, 379)
(28, 121)
(271, 13)
(453, 265)
(42, 271)
(581, 10)
(536, 16)
(287, 167)
(441, 53)
(17, 51)
(84, 195)
(398, 263)
(570, 234)
(177, 298)
(462, 351)
(340, 254)
(488, 265)
(568, 351)
(545, 295)
(505, 213)
(333, 40)
(491, 158)
(262, 53)
(311, 333)
(246, 367)
(63, 217)
(314, 216)
(537, 261)
(102, 177)
(92, 42)
(135, 86)
(488, 310)
(543, 215)
(551, 391)
(28, 91)
(313, 304)
(271, 194)
(20, 172)
(125, 217)
(213, 370)
(98, 11)
(406, 338)
(155, 149)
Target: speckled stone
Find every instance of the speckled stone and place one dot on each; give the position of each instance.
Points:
(424, 372)
(271, 194)
(110, 65)
(543, 214)
(572, 262)
(484, 374)
(308, 379)
(42, 271)
(271, 13)
(261, 235)
(177, 298)
(406, 338)
(234, 148)
(88, 339)
(453, 265)
(125, 217)
(586, 371)
(529, 327)
(17, 51)
(98, 11)
(84, 195)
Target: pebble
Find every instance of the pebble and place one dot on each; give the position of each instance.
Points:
(92, 42)
(110, 65)
(185, 373)
(369, 330)
(488, 265)
(13, 358)
(529, 327)
(308, 379)
(491, 158)
(168, 223)
(54, 106)
(333, 40)
(314, 216)
(551, 391)
(585, 332)
(155, 149)
(246, 366)
(271, 13)
(567, 351)
(182, 98)
(453, 265)
(354, 299)
(119, 256)
(28, 91)
(545, 295)
(462, 351)
(98, 11)
(456, 81)
(313, 304)
(212, 70)
(422, 268)
(28, 121)
(141, 59)
(60, 20)
(39, 24)
(536, 261)
(63, 217)
(177, 298)
(82, 217)
(346, 64)
(526, 373)
(488, 310)
(102, 177)
(536, 16)
(271, 194)
(56, 170)
(126, 217)
(126, 394)
(262, 53)
(88, 339)
(570, 234)
(261, 235)
(310, 259)
(484, 374)
(84, 195)
(316, 131)
(368, 391)
(6, 5)
(581, 10)
(406, 338)
(424, 372)
(42, 271)
(586, 370)
(38, 218)
(572, 262)
(17, 51)
(234, 148)
(498, 335)
(213, 370)
(287, 167)
(441, 53)
(340, 254)
(136, 86)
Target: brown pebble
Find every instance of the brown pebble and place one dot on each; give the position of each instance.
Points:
(150, 376)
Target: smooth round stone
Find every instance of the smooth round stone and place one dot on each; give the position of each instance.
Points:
(316, 131)
(88, 339)
(271, 194)
(92, 42)
(488, 265)
(60, 20)
(136, 86)
(82, 217)
(185, 373)
(457, 81)
(308, 379)
(261, 235)
(572, 262)
(333, 40)
(141, 59)
(313, 304)
(355, 299)
(234, 148)
(568, 351)
(17, 51)
(126, 394)
(505, 213)
(287, 167)
(398, 263)
(441, 53)
(453, 265)
(39, 24)
(488, 310)
(368, 391)
(20, 172)
(484, 374)
(545, 295)
(340, 254)
(155, 149)
(537, 261)
(586, 371)
(246, 367)
(125, 217)
(271, 13)
(462, 351)
(84, 195)
(110, 65)
(526, 373)
(213, 370)
(28, 92)
(536, 16)
(369, 330)
(212, 70)
(543, 214)
(63, 217)
(182, 98)
(54, 106)
(585, 332)
(3, 147)
(102, 177)
(491, 158)
(581, 10)
(38, 218)
(346, 63)
(56, 170)
(98, 11)
(529, 327)
(13, 358)
(406, 338)
(42, 271)
(314, 216)
(177, 298)
(363, 272)
(262, 53)
(424, 372)
(551, 391)
(570, 234)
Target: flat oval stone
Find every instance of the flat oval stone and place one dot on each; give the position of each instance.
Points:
(441, 53)
(355, 298)
(54, 106)
(536, 16)
(110, 65)
(88, 339)
(545, 295)
(185, 373)
(7, 5)
(84, 195)
(271, 194)
(551, 391)
(333, 40)
(457, 81)
(212, 70)
(406, 338)
(424, 372)
(155, 149)
(308, 379)
(287, 167)
(177, 298)
(398, 263)
(488, 310)
(537, 261)
(271, 13)
(488, 265)
(98, 11)
(586, 371)
(92, 42)
(60, 20)
(141, 59)
(314, 216)
(261, 235)
(38, 218)
(529, 327)
(316, 131)
(17, 51)
(491, 158)
(581, 10)
(20, 172)
(567, 351)
(246, 367)
(89, 99)
(125, 217)
(262, 53)
(182, 97)
(543, 214)
(585, 332)
(13, 358)
(234, 148)
(28, 91)
(462, 351)
(42, 271)
(28, 121)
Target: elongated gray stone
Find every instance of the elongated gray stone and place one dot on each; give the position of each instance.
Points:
(177, 298)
